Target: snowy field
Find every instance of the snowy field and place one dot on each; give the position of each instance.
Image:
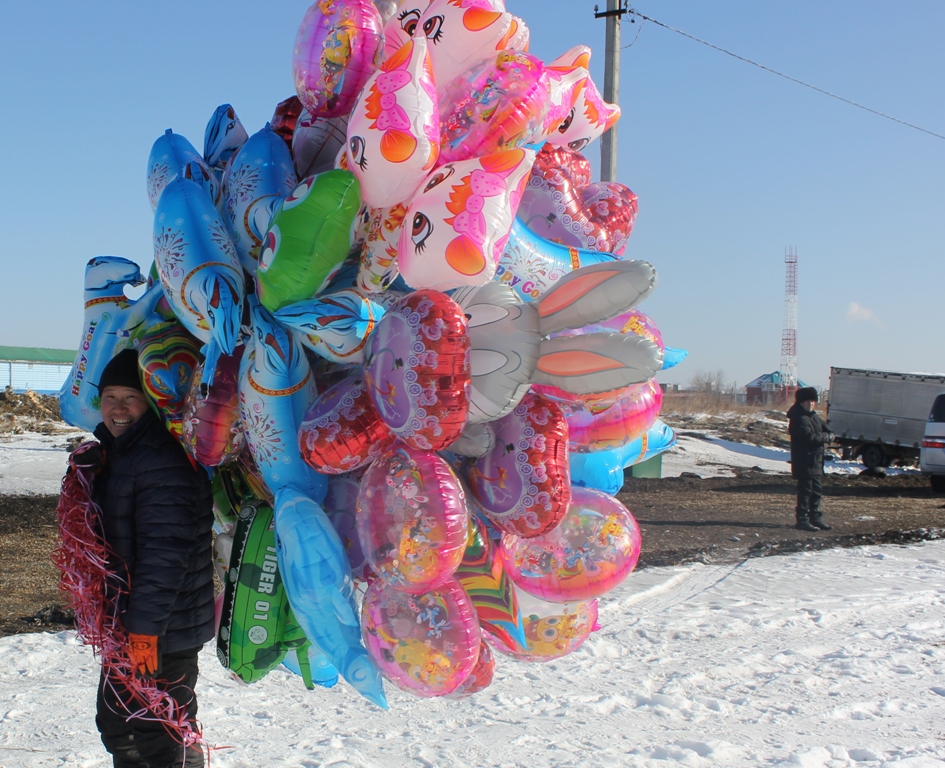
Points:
(818, 660)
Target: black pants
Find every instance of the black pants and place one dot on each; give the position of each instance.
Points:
(809, 494)
(143, 743)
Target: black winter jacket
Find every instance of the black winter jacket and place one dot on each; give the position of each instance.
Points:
(809, 433)
(157, 516)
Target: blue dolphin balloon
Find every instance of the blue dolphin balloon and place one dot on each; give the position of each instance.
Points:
(603, 470)
(223, 137)
(260, 176)
(334, 325)
(199, 269)
(673, 356)
(173, 156)
(530, 265)
(276, 388)
(318, 582)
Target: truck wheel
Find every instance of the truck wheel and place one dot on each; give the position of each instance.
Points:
(874, 457)
(938, 483)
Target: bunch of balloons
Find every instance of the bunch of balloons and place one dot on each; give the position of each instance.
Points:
(400, 315)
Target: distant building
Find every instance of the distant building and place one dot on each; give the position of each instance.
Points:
(36, 368)
(769, 389)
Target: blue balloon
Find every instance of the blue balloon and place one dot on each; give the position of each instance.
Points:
(318, 581)
(321, 670)
(173, 156)
(603, 470)
(530, 265)
(673, 356)
(224, 136)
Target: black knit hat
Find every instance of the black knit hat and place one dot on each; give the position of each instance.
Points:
(804, 394)
(122, 371)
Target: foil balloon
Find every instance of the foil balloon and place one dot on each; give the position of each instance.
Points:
(593, 428)
(508, 349)
(337, 48)
(498, 105)
(590, 116)
(604, 470)
(481, 676)
(530, 264)
(597, 217)
(307, 239)
(488, 585)
(523, 484)
(111, 322)
(378, 267)
(258, 178)
(401, 27)
(335, 325)
(199, 269)
(594, 549)
(393, 138)
(564, 82)
(425, 644)
(462, 34)
(456, 228)
(318, 582)
(673, 356)
(316, 143)
(341, 506)
(170, 155)
(416, 367)
(552, 630)
(387, 8)
(276, 386)
(412, 519)
(212, 431)
(223, 137)
(341, 431)
(285, 118)
(168, 357)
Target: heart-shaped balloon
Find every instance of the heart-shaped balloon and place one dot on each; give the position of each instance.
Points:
(560, 204)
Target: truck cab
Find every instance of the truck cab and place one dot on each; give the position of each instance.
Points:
(932, 453)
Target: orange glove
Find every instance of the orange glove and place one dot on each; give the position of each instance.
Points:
(143, 652)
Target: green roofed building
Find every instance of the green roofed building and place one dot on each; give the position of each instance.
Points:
(36, 368)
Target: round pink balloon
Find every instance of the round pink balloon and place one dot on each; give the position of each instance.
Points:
(594, 548)
(426, 644)
(412, 519)
(552, 630)
(596, 428)
(337, 48)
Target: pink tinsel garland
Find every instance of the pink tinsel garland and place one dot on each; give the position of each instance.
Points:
(82, 559)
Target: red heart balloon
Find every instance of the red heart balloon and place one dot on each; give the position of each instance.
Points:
(562, 205)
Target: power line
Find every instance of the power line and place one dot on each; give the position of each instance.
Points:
(633, 12)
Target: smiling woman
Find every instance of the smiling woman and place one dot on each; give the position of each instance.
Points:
(123, 400)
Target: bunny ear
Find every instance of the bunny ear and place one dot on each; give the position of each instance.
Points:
(596, 362)
(594, 293)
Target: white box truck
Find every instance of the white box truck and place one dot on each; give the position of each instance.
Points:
(881, 415)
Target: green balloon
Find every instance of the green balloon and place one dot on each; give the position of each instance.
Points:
(308, 238)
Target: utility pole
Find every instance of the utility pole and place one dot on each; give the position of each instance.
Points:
(608, 142)
(789, 333)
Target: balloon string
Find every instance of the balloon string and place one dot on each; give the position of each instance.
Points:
(92, 591)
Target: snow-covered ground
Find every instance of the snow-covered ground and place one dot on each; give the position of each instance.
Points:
(827, 659)
(819, 660)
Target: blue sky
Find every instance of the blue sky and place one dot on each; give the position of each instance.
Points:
(731, 164)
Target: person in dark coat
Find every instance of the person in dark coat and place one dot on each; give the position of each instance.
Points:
(157, 516)
(809, 435)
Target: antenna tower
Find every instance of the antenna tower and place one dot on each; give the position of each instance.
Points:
(789, 334)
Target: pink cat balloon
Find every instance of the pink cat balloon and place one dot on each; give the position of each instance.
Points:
(456, 228)
(393, 132)
(591, 115)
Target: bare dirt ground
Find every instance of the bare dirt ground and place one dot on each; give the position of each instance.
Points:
(683, 519)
